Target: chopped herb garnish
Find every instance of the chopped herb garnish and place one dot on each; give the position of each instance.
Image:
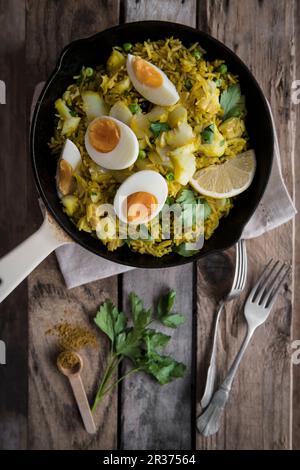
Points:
(207, 134)
(169, 200)
(158, 127)
(134, 108)
(73, 113)
(197, 54)
(218, 82)
(232, 102)
(170, 176)
(222, 69)
(190, 210)
(187, 196)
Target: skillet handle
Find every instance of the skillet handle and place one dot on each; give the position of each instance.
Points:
(22, 260)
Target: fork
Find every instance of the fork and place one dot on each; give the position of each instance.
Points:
(257, 309)
(237, 288)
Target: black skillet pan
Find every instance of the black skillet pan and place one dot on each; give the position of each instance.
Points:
(91, 52)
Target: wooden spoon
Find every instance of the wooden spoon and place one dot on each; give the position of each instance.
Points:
(74, 377)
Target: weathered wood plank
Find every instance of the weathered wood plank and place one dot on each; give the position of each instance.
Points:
(155, 417)
(258, 414)
(296, 313)
(50, 398)
(49, 28)
(14, 222)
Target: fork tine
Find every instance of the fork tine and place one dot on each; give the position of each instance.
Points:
(268, 283)
(274, 292)
(237, 264)
(243, 277)
(256, 288)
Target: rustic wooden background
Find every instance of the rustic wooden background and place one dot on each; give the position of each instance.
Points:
(36, 407)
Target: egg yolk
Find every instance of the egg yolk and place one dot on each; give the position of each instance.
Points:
(65, 177)
(104, 135)
(146, 73)
(140, 206)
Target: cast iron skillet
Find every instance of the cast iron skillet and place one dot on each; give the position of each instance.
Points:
(95, 50)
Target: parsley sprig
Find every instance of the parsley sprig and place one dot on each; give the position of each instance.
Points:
(232, 102)
(190, 207)
(138, 342)
(158, 127)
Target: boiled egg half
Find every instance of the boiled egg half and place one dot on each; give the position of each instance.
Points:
(111, 143)
(69, 161)
(151, 82)
(141, 197)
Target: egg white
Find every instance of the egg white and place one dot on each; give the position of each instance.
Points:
(145, 181)
(122, 156)
(71, 154)
(165, 95)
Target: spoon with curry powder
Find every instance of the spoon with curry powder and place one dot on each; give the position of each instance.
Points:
(70, 364)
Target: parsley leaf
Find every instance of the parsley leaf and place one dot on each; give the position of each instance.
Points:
(141, 317)
(187, 196)
(128, 344)
(165, 305)
(158, 127)
(208, 134)
(232, 102)
(110, 320)
(190, 209)
(174, 320)
(163, 368)
(155, 340)
(138, 343)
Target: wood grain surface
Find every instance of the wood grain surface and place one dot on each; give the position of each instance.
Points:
(264, 408)
(163, 413)
(49, 28)
(295, 406)
(13, 222)
(258, 414)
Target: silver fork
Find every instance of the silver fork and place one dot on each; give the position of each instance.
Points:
(238, 285)
(257, 309)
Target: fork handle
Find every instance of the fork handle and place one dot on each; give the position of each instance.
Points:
(209, 422)
(227, 383)
(211, 372)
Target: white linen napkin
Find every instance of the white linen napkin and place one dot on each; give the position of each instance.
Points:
(79, 266)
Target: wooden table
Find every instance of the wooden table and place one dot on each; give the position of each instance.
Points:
(36, 406)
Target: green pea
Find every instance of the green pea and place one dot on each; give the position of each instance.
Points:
(134, 108)
(188, 84)
(197, 54)
(142, 155)
(170, 176)
(127, 46)
(222, 69)
(89, 71)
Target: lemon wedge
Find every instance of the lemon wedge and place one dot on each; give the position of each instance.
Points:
(227, 179)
